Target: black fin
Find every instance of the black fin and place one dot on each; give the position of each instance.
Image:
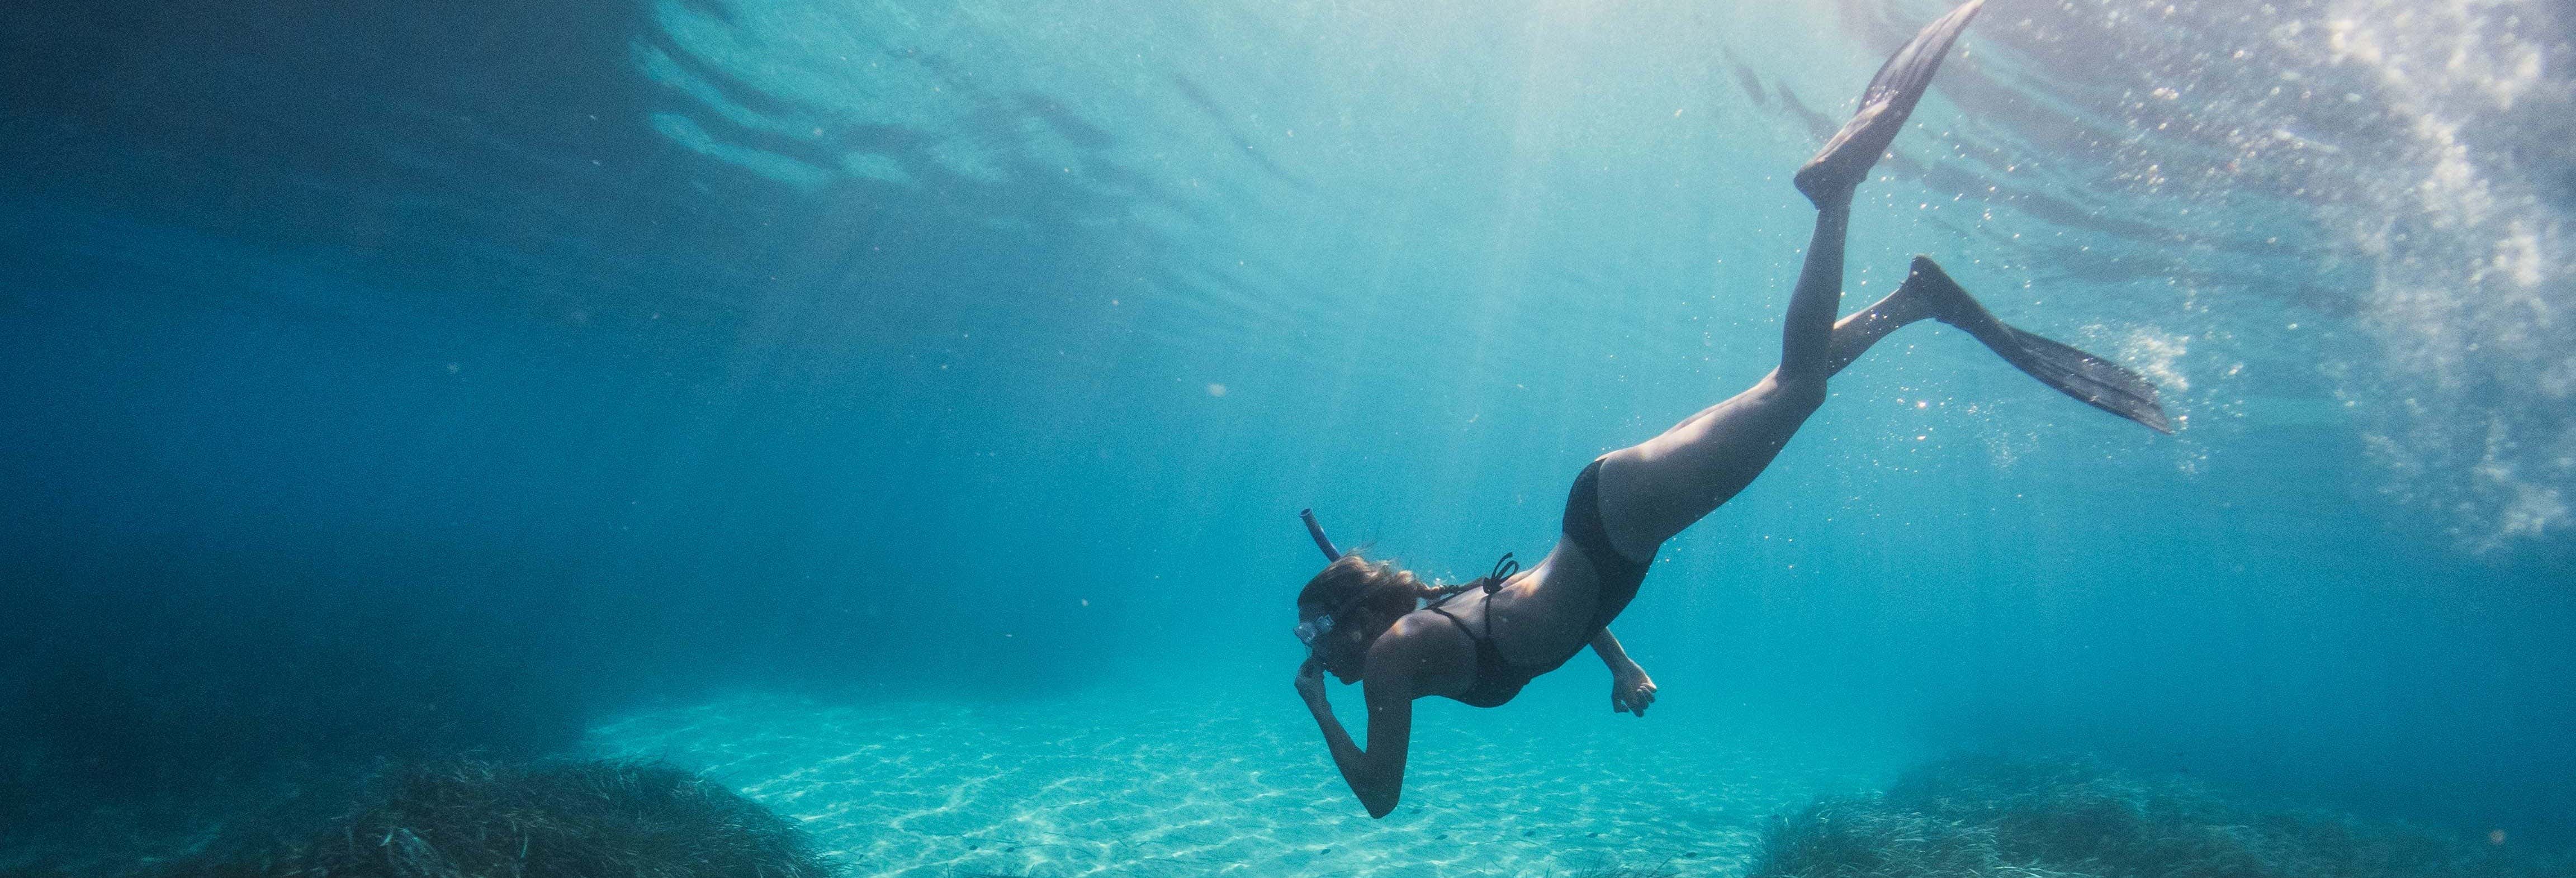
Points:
(2098, 382)
(1846, 159)
(2101, 383)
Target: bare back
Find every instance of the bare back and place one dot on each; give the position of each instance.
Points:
(1536, 619)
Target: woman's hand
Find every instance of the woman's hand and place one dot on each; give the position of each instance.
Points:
(1631, 690)
(1310, 680)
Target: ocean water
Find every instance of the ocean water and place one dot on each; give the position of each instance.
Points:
(899, 410)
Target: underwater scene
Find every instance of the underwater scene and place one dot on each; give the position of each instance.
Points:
(869, 438)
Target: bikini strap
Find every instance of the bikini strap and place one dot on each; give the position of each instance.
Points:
(1453, 620)
(1504, 567)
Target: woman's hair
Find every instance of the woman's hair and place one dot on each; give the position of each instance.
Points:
(1381, 588)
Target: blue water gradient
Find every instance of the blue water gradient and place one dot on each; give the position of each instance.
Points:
(395, 379)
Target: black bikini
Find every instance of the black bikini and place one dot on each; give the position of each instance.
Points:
(1497, 678)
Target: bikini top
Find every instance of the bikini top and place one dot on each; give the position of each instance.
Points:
(1497, 678)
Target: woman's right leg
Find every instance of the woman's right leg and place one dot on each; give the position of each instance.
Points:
(1652, 490)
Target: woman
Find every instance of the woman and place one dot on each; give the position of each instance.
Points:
(1360, 622)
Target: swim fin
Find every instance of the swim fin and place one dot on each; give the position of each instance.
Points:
(1884, 106)
(2098, 382)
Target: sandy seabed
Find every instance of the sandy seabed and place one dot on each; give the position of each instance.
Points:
(1102, 785)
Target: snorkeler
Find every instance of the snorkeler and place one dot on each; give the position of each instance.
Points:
(1367, 622)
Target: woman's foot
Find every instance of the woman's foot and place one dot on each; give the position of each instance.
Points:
(1830, 177)
(1926, 294)
(1929, 292)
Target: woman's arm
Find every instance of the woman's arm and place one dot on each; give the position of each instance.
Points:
(1607, 647)
(1376, 775)
(1630, 689)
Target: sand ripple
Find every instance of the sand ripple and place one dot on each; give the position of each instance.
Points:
(1096, 785)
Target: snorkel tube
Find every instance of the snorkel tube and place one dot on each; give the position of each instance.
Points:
(1317, 531)
(1312, 631)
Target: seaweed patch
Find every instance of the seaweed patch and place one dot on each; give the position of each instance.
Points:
(2075, 819)
(472, 819)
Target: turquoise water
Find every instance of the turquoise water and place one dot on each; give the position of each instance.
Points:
(901, 409)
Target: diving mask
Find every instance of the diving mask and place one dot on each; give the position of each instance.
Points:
(1312, 630)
